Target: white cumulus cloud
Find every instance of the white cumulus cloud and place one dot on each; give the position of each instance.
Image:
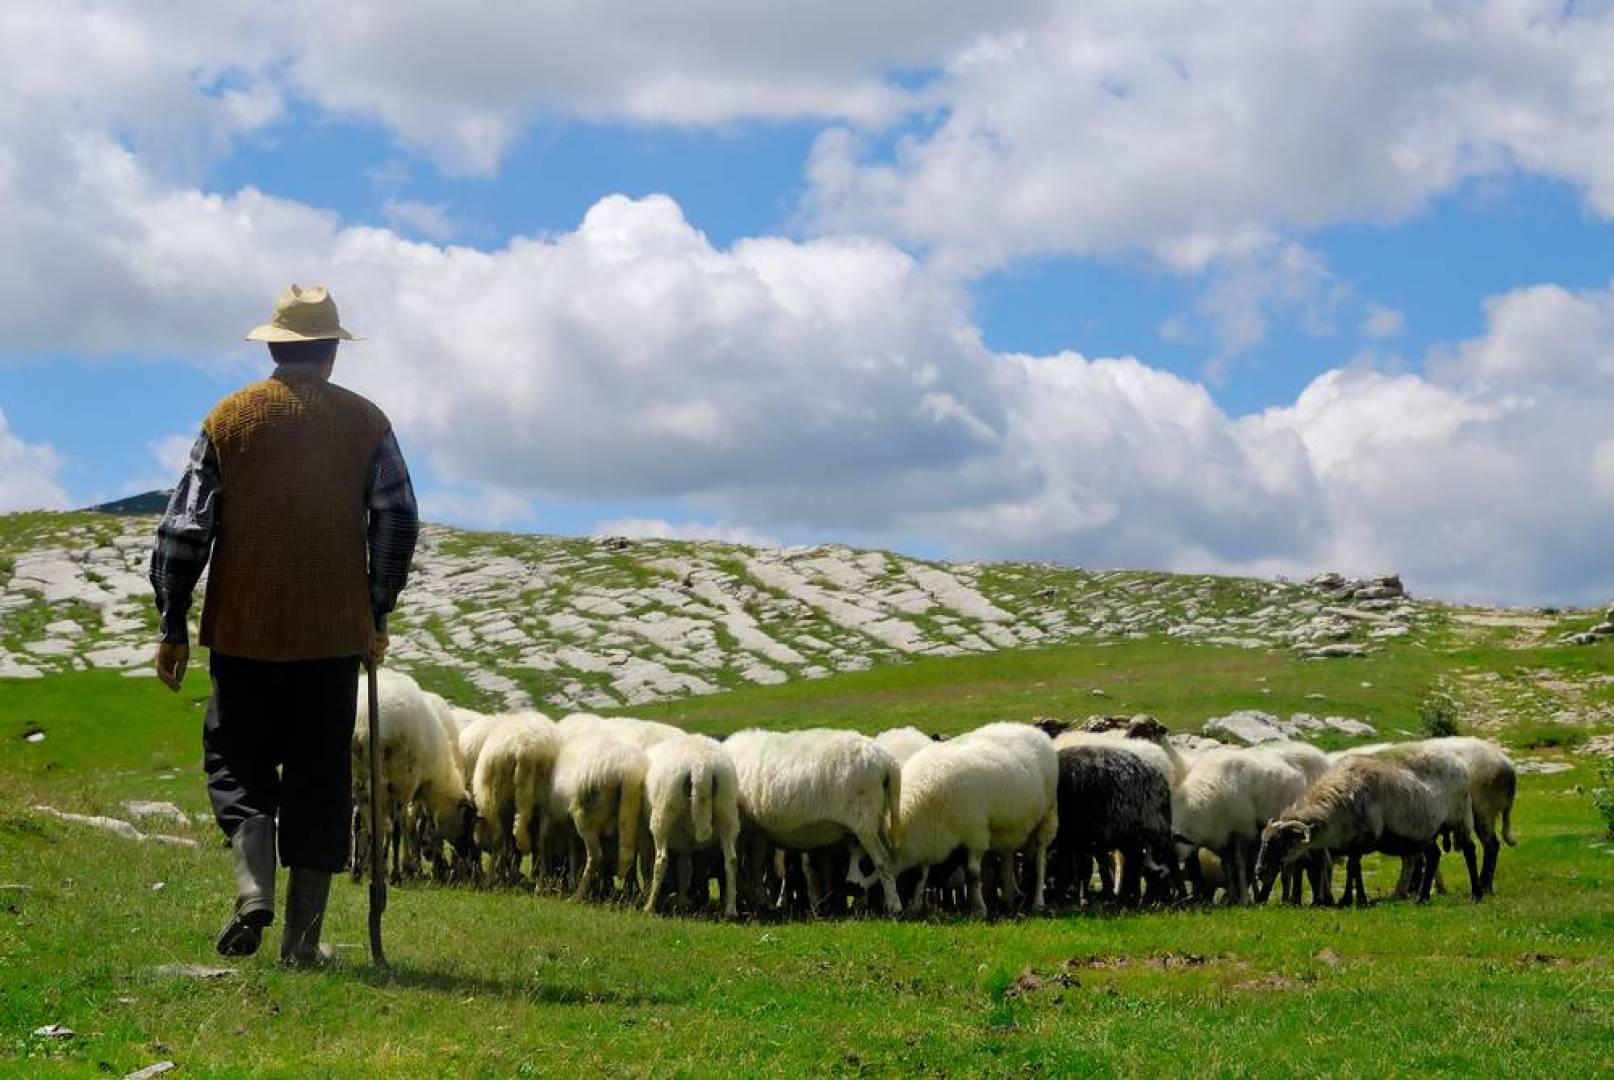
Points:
(1195, 131)
(30, 473)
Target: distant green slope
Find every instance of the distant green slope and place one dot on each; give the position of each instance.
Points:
(498, 620)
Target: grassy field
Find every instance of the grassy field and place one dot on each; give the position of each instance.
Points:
(498, 984)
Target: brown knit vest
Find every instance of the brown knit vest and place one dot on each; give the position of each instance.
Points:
(289, 578)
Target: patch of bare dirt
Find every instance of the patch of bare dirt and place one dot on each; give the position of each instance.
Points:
(1269, 983)
(1031, 980)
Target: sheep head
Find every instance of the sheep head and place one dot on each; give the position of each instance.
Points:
(1282, 843)
(1143, 726)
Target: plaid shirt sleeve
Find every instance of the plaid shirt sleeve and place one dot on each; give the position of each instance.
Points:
(394, 527)
(184, 541)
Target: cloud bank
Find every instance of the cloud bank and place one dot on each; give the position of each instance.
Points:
(836, 385)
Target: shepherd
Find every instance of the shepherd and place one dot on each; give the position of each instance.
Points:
(297, 495)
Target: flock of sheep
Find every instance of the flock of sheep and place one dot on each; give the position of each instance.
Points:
(1007, 815)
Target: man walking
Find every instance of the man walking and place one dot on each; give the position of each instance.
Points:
(297, 493)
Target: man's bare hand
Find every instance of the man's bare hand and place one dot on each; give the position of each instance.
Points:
(378, 651)
(172, 660)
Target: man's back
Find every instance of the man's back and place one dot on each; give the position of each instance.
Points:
(289, 577)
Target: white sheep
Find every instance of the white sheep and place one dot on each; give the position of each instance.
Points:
(802, 790)
(511, 786)
(903, 743)
(599, 788)
(420, 770)
(474, 728)
(1493, 784)
(692, 802)
(992, 789)
(1224, 802)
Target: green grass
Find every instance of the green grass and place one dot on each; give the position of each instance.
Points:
(1182, 684)
(500, 983)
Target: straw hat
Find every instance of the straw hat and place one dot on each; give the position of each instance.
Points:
(302, 314)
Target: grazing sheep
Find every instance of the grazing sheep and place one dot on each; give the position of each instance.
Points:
(1112, 800)
(511, 785)
(598, 786)
(1226, 799)
(1493, 784)
(1447, 772)
(474, 728)
(802, 790)
(692, 802)
(1364, 803)
(420, 770)
(903, 743)
(994, 789)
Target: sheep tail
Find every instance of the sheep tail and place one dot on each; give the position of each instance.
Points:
(893, 805)
(1507, 810)
(702, 787)
(629, 808)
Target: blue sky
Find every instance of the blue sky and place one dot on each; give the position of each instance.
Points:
(888, 292)
(746, 180)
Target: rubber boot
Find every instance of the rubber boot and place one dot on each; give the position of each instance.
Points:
(305, 916)
(252, 851)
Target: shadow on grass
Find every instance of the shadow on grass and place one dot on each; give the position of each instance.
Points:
(538, 991)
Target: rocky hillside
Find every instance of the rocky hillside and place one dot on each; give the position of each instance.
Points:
(570, 623)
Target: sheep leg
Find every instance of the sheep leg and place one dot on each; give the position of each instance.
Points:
(574, 869)
(1081, 875)
(685, 865)
(1106, 874)
(1431, 869)
(972, 872)
(1008, 888)
(540, 859)
(815, 885)
(920, 901)
(1476, 882)
(1353, 882)
(1492, 846)
(396, 834)
(595, 856)
(658, 877)
(1292, 884)
(1131, 876)
(754, 851)
(1233, 863)
(1407, 883)
(1317, 874)
(1039, 881)
(882, 858)
(731, 865)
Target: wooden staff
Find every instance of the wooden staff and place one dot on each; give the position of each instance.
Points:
(378, 870)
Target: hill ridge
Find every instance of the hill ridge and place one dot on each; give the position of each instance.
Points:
(601, 623)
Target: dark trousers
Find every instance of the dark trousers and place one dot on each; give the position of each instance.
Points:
(278, 740)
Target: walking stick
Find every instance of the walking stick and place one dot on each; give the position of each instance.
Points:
(378, 870)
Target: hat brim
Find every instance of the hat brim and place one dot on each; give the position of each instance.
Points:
(271, 332)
